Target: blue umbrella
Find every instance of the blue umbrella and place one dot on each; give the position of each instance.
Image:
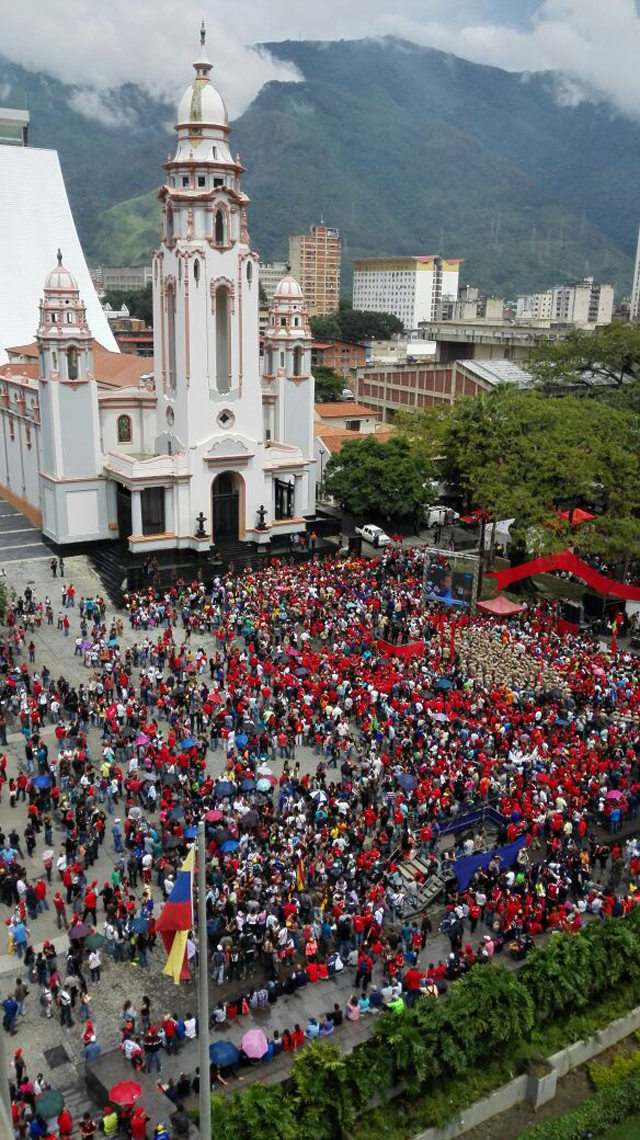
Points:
(444, 683)
(42, 782)
(224, 789)
(223, 1053)
(190, 832)
(140, 925)
(248, 785)
(176, 812)
(188, 743)
(229, 845)
(241, 740)
(407, 781)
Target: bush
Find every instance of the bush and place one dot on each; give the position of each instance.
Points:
(604, 1076)
(598, 1113)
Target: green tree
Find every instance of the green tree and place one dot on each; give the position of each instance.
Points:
(323, 1092)
(367, 476)
(263, 300)
(613, 351)
(261, 1110)
(329, 384)
(355, 325)
(138, 301)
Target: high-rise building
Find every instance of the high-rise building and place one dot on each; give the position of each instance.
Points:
(412, 288)
(586, 302)
(634, 312)
(270, 275)
(315, 263)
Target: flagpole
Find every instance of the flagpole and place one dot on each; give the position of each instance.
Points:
(203, 988)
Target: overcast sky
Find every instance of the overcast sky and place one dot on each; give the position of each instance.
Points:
(596, 43)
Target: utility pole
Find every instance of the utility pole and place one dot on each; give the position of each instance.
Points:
(203, 988)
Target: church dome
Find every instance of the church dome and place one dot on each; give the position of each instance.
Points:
(60, 279)
(288, 289)
(202, 102)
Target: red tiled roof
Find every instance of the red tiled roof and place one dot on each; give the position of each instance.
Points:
(112, 369)
(334, 411)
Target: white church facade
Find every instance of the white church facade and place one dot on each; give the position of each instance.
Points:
(210, 443)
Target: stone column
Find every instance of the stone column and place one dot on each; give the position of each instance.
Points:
(136, 512)
(169, 524)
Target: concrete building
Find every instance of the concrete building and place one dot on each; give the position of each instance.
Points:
(392, 388)
(196, 447)
(412, 288)
(315, 262)
(270, 274)
(36, 221)
(582, 303)
(341, 355)
(347, 416)
(488, 340)
(125, 277)
(634, 310)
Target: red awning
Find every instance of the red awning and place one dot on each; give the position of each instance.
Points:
(501, 607)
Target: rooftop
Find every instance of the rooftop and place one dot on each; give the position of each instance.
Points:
(498, 372)
(111, 369)
(334, 438)
(335, 411)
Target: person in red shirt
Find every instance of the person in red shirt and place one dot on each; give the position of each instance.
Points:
(138, 1123)
(65, 1124)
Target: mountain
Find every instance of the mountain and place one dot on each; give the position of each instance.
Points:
(405, 149)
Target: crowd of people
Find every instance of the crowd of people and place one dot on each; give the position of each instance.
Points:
(211, 706)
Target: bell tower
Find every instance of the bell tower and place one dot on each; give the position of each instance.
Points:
(64, 339)
(205, 282)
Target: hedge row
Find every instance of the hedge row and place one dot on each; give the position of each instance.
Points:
(594, 1116)
(486, 1013)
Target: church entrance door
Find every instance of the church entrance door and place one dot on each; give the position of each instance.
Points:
(123, 507)
(225, 507)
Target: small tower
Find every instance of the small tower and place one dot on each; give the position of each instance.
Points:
(287, 380)
(63, 337)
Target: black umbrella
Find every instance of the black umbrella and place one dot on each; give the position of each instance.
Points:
(249, 819)
(173, 841)
(221, 835)
(80, 930)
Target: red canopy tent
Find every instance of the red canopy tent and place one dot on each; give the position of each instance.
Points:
(579, 516)
(566, 560)
(501, 607)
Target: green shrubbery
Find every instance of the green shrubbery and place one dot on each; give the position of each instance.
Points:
(594, 1116)
(487, 1015)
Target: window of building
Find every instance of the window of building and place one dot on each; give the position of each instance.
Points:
(202, 181)
(249, 272)
(152, 503)
(218, 181)
(72, 364)
(352, 425)
(222, 339)
(53, 317)
(185, 180)
(284, 499)
(297, 361)
(171, 336)
(69, 318)
(124, 429)
(196, 271)
(219, 232)
(169, 223)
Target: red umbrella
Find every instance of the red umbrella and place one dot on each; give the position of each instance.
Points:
(213, 816)
(125, 1093)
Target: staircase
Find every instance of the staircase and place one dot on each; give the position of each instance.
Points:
(427, 893)
(110, 561)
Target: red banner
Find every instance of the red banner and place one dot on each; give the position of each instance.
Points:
(414, 649)
(566, 561)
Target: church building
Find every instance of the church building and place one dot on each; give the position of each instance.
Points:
(211, 443)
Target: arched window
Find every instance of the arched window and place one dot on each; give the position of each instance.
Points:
(196, 271)
(222, 339)
(219, 232)
(124, 429)
(171, 335)
(297, 361)
(268, 364)
(169, 223)
(249, 272)
(72, 364)
(69, 317)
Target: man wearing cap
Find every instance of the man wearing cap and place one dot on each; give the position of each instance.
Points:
(117, 836)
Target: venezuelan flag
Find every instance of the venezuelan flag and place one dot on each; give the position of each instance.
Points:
(176, 920)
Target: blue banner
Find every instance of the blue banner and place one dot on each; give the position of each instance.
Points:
(466, 867)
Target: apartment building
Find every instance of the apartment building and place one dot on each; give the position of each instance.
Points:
(412, 288)
(315, 263)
